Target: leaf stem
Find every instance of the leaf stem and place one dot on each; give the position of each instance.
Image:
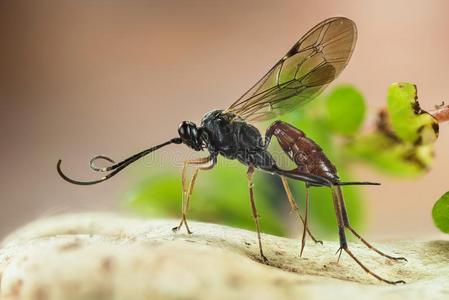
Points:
(441, 114)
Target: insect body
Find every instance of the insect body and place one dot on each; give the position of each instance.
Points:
(307, 68)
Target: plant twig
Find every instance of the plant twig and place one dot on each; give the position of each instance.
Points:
(441, 114)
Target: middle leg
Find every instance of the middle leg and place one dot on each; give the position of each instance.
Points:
(250, 174)
(295, 208)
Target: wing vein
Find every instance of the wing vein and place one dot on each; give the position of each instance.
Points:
(302, 74)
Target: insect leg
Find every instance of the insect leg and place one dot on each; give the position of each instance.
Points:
(340, 224)
(303, 240)
(343, 243)
(187, 190)
(184, 191)
(295, 208)
(349, 227)
(185, 206)
(250, 174)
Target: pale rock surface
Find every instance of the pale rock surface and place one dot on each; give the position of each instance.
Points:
(96, 256)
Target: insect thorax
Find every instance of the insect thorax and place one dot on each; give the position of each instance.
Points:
(233, 138)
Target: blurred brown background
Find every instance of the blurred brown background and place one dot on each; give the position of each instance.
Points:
(79, 78)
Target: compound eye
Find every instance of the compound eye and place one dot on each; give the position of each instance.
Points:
(186, 129)
(183, 129)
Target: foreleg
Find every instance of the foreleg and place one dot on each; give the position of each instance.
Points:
(187, 190)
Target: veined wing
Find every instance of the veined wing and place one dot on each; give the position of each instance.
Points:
(302, 74)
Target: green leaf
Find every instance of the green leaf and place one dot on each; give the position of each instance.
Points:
(402, 143)
(346, 108)
(440, 213)
(409, 122)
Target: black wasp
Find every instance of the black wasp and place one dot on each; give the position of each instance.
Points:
(298, 77)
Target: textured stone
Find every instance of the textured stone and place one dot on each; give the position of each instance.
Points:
(107, 256)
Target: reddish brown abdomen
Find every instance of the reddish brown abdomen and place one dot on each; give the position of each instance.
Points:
(308, 155)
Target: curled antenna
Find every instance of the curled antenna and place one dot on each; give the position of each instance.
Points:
(95, 168)
(115, 167)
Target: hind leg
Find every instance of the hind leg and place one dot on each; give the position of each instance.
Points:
(349, 227)
(343, 243)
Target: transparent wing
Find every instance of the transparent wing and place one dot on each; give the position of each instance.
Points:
(310, 65)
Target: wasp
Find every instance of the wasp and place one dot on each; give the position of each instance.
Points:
(297, 78)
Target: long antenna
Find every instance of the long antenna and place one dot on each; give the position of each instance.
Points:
(116, 167)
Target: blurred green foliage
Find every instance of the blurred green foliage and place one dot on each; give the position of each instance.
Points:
(334, 121)
(402, 141)
(220, 196)
(390, 156)
(440, 213)
(341, 100)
